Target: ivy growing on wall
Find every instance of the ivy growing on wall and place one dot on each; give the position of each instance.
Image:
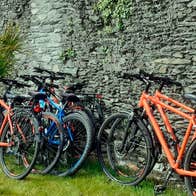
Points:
(67, 54)
(114, 12)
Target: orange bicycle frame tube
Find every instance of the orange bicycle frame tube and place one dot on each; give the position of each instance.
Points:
(157, 100)
(6, 120)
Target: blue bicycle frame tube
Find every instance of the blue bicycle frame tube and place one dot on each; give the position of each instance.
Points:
(60, 113)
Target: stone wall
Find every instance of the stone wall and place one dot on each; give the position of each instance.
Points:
(159, 37)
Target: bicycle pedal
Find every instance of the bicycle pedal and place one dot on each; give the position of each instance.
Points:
(159, 189)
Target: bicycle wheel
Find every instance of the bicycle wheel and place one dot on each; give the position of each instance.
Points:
(93, 123)
(78, 147)
(18, 159)
(51, 143)
(190, 164)
(124, 149)
(88, 115)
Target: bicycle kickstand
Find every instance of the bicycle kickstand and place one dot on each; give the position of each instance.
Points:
(159, 189)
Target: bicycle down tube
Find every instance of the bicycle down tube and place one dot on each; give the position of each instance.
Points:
(145, 98)
(6, 119)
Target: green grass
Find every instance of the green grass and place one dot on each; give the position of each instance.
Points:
(89, 181)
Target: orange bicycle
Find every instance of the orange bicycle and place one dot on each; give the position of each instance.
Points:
(129, 143)
(19, 134)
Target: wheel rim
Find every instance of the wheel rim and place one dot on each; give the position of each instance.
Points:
(17, 160)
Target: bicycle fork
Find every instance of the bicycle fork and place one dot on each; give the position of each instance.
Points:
(159, 189)
(127, 145)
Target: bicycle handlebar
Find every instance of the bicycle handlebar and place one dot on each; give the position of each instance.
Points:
(41, 84)
(145, 77)
(53, 75)
(164, 80)
(41, 70)
(32, 78)
(15, 83)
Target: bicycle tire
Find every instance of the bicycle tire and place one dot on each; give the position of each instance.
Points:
(94, 127)
(190, 164)
(51, 143)
(18, 160)
(111, 159)
(88, 115)
(77, 150)
(95, 120)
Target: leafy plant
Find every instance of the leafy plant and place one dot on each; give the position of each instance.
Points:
(114, 12)
(70, 53)
(10, 42)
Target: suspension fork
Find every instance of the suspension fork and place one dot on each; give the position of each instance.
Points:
(127, 133)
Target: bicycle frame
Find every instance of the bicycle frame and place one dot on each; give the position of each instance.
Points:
(158, 100)
(60, 112)
(7, 119)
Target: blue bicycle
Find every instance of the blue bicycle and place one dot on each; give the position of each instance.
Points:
(51, 132)
(76, 125)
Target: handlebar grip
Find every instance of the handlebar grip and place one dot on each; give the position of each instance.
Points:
(41, 70)
(21, 85)
(25, 77)
(57, 77)
(15, 83)
(131, 76)
(37, 69)
(64, 74)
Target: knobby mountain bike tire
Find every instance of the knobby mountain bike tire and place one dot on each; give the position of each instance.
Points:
(18, 160)
(88, 115)
(74, 152)
(190, 164)
(124, 149)
(94, 125)
(51, 142)
(88, 118)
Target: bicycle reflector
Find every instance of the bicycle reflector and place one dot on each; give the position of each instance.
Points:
(99, 96)
(39, 106)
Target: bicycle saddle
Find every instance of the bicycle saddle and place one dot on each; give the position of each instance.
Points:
(74, 87)
(38, 95)
(70, 98)
(18, 98)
